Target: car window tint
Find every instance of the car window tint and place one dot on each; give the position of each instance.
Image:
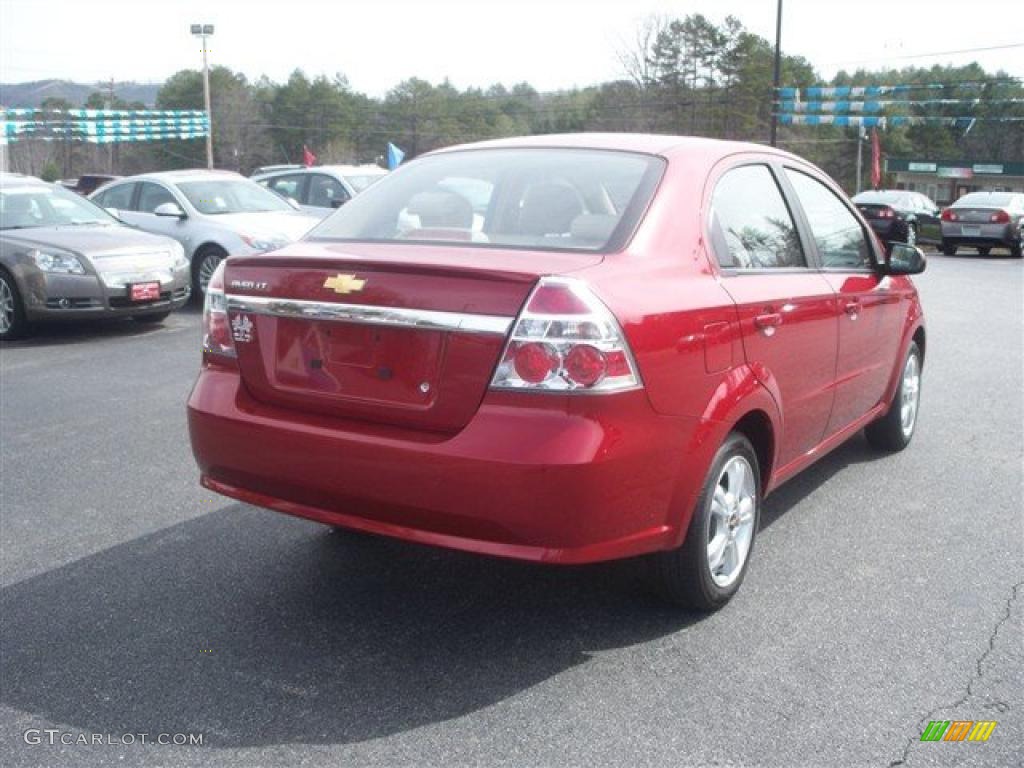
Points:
(119, 197)
(152, 195)
(838, 234)
(287, 186)
(324, 191)
(752, 227)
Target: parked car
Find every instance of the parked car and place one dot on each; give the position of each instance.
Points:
(899, 216)
(646, 336)
(322, 188)
(211, 213)
(64, 258)
(88, 183)
(984, 220)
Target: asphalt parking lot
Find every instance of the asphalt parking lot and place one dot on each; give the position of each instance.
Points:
(884, 593)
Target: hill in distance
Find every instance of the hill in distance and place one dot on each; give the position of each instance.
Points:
(32, 94)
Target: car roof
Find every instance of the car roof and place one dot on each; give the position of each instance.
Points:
(646, 143)
(188, 174)
(20, 180)
(343, 170)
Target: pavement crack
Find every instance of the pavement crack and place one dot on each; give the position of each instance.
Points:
(969, 691)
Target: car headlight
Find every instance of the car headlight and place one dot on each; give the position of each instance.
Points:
(178, 260)
(264, 243)
(58, 263)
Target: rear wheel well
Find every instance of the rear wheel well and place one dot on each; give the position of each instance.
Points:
(757, 428)
(919, 339)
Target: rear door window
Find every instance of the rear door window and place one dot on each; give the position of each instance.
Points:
(289, 185)
(119, 197)
(751, 226)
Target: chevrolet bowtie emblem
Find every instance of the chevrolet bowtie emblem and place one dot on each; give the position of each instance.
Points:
(344, 283)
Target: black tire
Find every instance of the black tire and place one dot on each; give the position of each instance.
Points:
(948, 250)
(984, 251)
(151, 319)
(13, 324)
(1015, 250)
(203, 255)
(684, 575)
(888, 433)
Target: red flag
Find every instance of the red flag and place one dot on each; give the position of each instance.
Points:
(308, 158)
(876, 159)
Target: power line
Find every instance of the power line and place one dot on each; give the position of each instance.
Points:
(929, 55)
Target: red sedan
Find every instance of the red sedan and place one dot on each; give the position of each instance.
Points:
(562, 349)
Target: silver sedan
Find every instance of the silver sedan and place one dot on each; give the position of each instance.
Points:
(63, 258)
(212, 214)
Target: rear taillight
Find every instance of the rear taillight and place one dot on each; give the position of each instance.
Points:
(1000, 217)
(566, 340)
(886, 213)
(216, 327)
(949, 215)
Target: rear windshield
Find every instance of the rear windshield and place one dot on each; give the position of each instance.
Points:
(870, 198)
(985, 199)
(560, 199)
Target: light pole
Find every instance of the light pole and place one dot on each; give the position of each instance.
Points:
(203, 31)
(777, 71)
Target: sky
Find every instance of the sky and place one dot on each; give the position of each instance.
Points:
(551, 44)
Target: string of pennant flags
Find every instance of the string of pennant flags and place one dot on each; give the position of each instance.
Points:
(892, 121)
(879, 106)
(862, 91)
(859, 106)
(102, 126)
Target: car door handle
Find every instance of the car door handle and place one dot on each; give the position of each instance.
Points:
(852, 308)
(768, 322)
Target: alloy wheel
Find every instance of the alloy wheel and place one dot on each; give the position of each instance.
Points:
(6, 306)
(731, 523)
(207, 267)
(910, 394)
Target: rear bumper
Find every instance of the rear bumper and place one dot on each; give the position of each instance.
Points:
(561, 480)
(994, 235)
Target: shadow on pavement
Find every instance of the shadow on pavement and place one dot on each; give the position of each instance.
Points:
(61, 333)
(256, 629)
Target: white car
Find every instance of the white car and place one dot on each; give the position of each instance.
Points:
(212, 214)
(319, 189)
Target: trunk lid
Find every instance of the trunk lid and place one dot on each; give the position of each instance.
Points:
(407, 335)
(873, 211)
(975, 215)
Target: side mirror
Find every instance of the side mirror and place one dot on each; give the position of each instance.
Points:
(338, 202)
(172, 210)
(294, 203)
(904, 259)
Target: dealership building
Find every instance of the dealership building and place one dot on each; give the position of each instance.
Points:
(948, 181)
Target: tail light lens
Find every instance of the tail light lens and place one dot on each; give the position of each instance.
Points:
(216, 327)
(949, 215)
(886, 213)
(566, 340)
(1000, 217)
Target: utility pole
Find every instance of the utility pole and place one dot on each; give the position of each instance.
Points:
(203, 31)
(860, 155)
(110, 146)
(777, 72)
